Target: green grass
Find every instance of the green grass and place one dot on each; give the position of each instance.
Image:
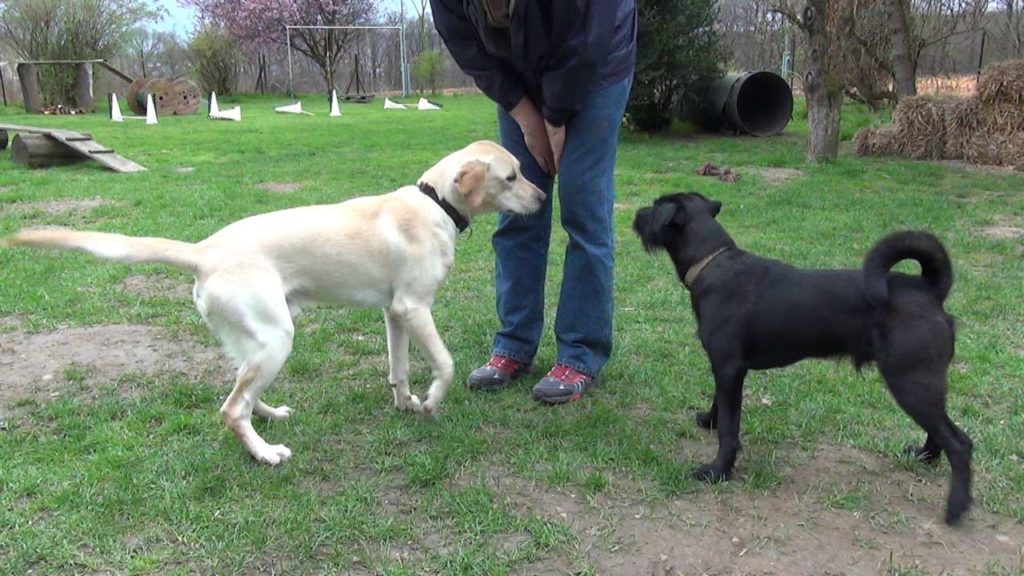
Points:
(152, 483)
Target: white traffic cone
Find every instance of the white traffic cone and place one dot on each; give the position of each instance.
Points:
(335, 109)
(115, 109)
(389, 105)
(150, 110)
(425, 104)
(292, 109)
(232, 114)
(213, 109)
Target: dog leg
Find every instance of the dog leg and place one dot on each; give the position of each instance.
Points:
(925, 403)
(928, 453)
(271, 413)
(420, 324)
(259, 333)
(398, 363)
(729, 399)
(708, 420)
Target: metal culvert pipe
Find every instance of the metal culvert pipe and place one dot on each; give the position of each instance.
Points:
(756, 103)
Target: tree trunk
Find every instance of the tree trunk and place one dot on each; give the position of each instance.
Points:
(1013, 28)
(29, 88)
(824, 110)
(83, 87)
(39, 151)
(903, 60)
(3, 139)
(822, 86)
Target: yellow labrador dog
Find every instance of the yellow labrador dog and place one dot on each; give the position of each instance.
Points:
(393, 251)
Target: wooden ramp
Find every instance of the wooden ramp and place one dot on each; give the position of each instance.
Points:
(82, 144)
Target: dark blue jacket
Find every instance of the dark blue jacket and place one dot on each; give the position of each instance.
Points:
(555, 51)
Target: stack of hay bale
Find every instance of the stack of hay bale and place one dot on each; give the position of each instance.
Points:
(986, 128)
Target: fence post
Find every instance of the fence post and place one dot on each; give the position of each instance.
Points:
(29, 87)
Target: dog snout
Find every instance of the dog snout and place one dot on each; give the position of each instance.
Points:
(536, 197)
(641, 219)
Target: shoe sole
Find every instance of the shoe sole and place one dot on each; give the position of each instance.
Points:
(494, 384)
(488, 386)
(559, 399)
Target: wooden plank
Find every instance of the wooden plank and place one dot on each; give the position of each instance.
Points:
(101, 62)
(93, 61)
(83, 144)
(115, 71)
(94, 150)
(31, 129)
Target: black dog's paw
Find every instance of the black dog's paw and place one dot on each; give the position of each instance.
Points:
(956, 507)
(922, 454)
(711, 474)
(706, 420)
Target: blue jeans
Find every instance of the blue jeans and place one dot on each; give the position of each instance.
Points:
(586, 194)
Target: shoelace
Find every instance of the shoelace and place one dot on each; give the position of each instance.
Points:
(568, 375)
(503, 364)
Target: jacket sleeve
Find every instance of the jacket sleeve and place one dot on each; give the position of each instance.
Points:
(587, 28)
(494, 78)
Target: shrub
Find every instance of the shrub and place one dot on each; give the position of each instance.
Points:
(215, 60)
(679, 54)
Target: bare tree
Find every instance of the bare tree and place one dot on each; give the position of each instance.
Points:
(826, 26)
(753, 32)
(143, 44)
(904, 60)
(1013, 24)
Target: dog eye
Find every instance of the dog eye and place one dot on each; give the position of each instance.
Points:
(511, 177)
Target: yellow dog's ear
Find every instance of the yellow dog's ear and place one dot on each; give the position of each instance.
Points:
(470, 181)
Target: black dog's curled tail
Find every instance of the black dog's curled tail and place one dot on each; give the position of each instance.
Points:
(936, 268)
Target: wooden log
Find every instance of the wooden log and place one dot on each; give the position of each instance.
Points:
(39, 151)
(30, 87)
(3, 139)
(83, 87)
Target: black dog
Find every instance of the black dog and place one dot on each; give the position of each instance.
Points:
(755, 313)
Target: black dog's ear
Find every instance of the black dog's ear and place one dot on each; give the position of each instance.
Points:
(663, 214)
(715, 206)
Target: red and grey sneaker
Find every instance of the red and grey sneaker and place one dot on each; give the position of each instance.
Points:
(496, 374)
(562, 384)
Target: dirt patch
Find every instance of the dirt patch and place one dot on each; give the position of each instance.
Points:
(969, 167)
(772, 175)
(78, 360)
(56, 207)
(836, 511)
(1002, 232)
(158, 285)
(11, 322)
(280, 187)
(185, 169)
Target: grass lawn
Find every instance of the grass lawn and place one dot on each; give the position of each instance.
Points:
(134, 472)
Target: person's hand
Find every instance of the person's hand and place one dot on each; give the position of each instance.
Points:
(535, 134)
(556, 136)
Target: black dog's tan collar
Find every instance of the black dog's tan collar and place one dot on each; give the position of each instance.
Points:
(696, 269)
(461, 222)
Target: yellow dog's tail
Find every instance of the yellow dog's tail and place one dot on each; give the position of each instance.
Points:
(117, 247)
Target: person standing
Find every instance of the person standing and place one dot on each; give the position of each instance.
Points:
(560, 72)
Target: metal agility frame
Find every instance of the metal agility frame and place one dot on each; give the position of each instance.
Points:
(401, 39)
